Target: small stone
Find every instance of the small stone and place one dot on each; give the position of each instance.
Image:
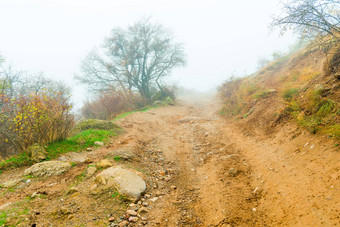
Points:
(132, 205)
(145, 204)
(123, 224)
(72, 190)
(173, 187)
(111, 219)
(158, 193)
(91, 171)
(104, 164)
(34, 194)
(93, 187)
(99, 143)
(88, 149)
(131, 213)
(168, 178)
(154, 199)
(65, 211)
(147, 196)
(254, 209)
(233, 172)
(133, 219)
(143, 210)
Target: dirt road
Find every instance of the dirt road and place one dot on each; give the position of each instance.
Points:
(201, 170)
(224, 177)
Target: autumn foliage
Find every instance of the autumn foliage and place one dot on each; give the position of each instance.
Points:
(109, 104)
(38, 117)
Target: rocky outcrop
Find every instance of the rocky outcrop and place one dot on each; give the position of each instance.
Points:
(48, 168)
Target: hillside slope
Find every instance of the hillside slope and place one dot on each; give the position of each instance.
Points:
(301, 88)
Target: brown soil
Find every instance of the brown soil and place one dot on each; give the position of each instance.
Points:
(223, 176)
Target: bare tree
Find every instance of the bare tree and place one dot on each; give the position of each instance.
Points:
(313, 19)
(133, 59)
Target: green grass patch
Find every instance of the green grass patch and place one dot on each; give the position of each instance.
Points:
(79, 142)
(289, 93)
(76, 143)
(16, 161)
(117, 158)
(131, 112)
(315, 113)
(3, 217)
(262, 94)
(15, 215)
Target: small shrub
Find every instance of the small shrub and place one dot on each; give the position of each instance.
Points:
(107, 105)
(37, 118)
(260, 94)
(289, 93)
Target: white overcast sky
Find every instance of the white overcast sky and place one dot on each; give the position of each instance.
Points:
(221, 37)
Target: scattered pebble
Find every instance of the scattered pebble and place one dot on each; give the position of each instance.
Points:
(154, 199)
(133, 219)
(131, 213)
(123, 224)
(111, 219)
(233, 172)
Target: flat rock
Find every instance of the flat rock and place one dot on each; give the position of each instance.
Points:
(48, 168)
(99, 143)
(11, 183)
(91, 171)
(125, 181)
(5, 205)
(104, 163)
(131, 212)
(74, 157)
(123, 154)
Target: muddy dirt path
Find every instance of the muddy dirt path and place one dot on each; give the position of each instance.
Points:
(200, 170)
(208, 173)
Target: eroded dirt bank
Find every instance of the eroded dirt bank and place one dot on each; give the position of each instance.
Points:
(200, 170)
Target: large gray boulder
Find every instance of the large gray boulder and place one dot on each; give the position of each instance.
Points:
(125, 181)
(48, 168)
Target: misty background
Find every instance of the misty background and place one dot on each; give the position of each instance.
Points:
(221, 37)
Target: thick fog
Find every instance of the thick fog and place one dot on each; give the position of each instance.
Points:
(221, 37)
